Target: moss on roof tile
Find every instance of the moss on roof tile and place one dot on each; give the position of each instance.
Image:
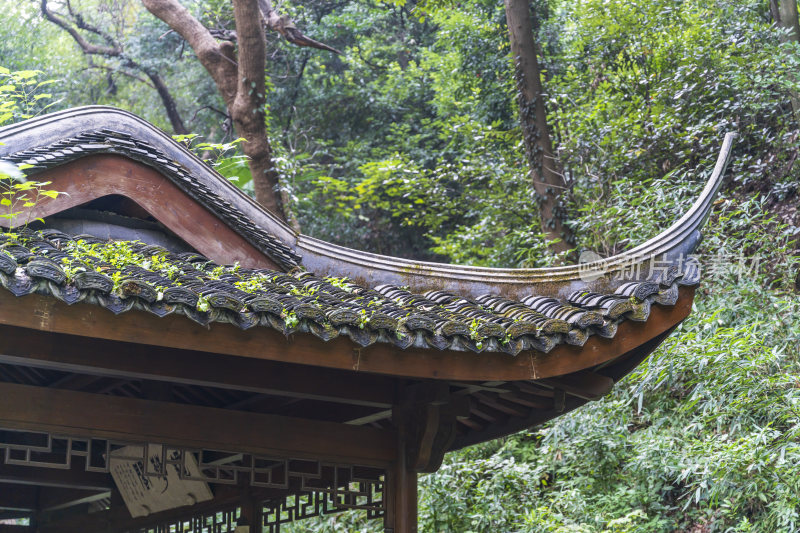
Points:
(126, 275)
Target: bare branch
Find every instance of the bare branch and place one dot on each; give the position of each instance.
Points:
(170, 105)
(114, 50)
(224, 35)
(223, 114)
(86, 46)
(81, 23)
(120, 71)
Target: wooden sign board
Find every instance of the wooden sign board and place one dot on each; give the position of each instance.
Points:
(157, 485)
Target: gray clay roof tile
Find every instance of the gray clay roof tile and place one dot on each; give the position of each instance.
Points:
(127, 275)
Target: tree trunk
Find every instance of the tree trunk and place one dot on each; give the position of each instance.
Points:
(239, 79)
(784, 12)
(247, 111)
(548, 183)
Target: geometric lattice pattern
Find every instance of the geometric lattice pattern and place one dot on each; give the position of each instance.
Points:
(216, 522)
(313, 487)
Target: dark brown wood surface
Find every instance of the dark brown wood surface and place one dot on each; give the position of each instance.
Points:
(48, 314)
(18, 497)
(76, 477)
(96, 176)
(125, 360)
(21, 497)
(401, 491)
(31, 408)
(118, 519)
(614, 371)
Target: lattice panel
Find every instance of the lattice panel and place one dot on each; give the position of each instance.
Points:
(312, 487)
(44, 450)
(219, 522)
(340, 489)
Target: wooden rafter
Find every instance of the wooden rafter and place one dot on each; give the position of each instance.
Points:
(19, 497)
(75, 477)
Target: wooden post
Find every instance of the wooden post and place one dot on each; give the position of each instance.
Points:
(401, 486)
(251, 519)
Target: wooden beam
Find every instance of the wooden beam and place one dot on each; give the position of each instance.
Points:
(126, 360)
(584, 384)
(529, 387)
(472, 387)
(10, 528)
(28, 497)
(512, 425)
(117, 518)
(428, 415)
(536, 402)
(76, 477)
(18, 497)
(498, 403)
(30, 408)
(369, 419)
(71, 381)
(53, 499)
(616, 369)
(345, 414)
(48, 314)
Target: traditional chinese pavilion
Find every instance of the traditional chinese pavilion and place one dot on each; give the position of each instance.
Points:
(175, 358)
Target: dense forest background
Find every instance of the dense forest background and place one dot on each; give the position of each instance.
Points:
(408, 143)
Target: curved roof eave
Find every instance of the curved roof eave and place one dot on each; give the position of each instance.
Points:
(671, 246)
(47, 130)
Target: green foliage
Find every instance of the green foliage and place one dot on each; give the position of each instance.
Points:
(225, 158)
(17, 193)
(408, 144)
(411, 131)
(703, 434)
(22, 96)
(639, 96)
(640, 89)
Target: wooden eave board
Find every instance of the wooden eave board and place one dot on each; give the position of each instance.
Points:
(46, 313)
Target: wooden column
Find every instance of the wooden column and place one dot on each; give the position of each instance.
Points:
(401, 491)
(251, 519)
(425, 419)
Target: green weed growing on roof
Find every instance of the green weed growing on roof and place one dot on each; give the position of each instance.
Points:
(474, 334)
(18, 194)
(341, 283)
(290, 319)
